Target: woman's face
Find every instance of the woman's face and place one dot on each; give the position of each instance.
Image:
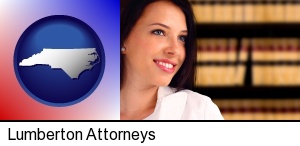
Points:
(155, 48)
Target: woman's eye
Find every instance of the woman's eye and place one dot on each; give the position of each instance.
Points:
(158, 32)
(182, 38)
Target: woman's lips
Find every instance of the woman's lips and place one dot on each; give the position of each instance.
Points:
(165, 65)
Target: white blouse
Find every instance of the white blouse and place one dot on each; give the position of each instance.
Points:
(183, 105)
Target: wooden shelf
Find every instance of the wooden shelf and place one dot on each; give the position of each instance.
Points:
(244, 1)
(246, 92)
(247, 30)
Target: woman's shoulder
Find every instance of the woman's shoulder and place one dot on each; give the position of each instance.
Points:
(190, 94)
(202, 106)
(196, 96)
(196, 99)
(194, 105)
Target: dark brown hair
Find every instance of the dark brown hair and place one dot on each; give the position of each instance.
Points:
(131, 11)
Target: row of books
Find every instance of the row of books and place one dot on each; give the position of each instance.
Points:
(259, 109)
(263, 49)
(227, 12)
(273, 61)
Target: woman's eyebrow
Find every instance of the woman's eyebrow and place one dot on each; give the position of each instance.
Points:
(185, 31)
(165, 26)
(160, 24)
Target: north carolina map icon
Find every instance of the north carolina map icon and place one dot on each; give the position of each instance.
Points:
(59, 60)
(71, 61)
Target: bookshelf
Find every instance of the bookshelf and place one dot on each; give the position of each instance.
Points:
(249, 30)
(245, 47)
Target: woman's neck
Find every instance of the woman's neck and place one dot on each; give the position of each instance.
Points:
(137, 101)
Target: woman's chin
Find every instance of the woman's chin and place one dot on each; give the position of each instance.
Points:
(162, 81)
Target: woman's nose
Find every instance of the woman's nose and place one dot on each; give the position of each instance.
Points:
(173, 47)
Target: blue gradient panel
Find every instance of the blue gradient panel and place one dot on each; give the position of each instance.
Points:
(102, 16)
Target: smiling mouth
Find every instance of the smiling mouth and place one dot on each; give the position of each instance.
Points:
(165, 65)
